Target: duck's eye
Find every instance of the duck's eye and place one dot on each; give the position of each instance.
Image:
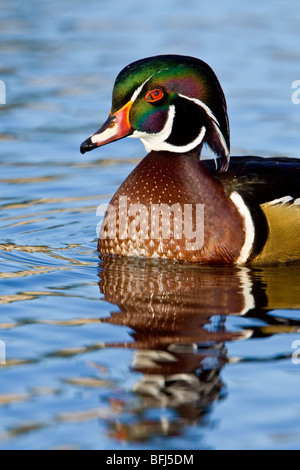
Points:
(154, 95)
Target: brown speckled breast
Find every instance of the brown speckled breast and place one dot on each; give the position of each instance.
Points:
(171, 207)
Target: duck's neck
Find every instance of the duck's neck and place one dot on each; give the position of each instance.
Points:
(188, 214)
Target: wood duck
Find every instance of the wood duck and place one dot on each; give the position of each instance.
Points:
(240, 210)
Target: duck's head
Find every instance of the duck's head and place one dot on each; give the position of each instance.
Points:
(172, 103)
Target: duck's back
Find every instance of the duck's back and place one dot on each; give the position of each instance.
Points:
(271, 188)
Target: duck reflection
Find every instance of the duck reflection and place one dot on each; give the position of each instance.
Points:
(177, 314)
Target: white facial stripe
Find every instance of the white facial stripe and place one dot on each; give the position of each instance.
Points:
(216, 123)
(111, 132)
(183, 148)
(248, 227)
(204, 106)
(152, 141)
(139, 89)
(221, 138)
(158, 141)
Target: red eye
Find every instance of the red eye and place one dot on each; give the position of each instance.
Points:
(154, 95)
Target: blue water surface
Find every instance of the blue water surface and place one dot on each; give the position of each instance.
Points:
(125, 354)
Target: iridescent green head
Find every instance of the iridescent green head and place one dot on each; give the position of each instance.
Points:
(172, 103)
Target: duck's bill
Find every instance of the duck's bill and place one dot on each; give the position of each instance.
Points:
(116, 127)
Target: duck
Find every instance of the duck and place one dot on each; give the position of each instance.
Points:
(230, 210)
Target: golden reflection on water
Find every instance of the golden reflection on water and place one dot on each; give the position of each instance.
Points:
(177, 314)
(178, 317)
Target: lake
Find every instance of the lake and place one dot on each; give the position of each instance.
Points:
(128, 354)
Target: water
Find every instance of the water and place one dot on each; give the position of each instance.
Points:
(126, 354)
